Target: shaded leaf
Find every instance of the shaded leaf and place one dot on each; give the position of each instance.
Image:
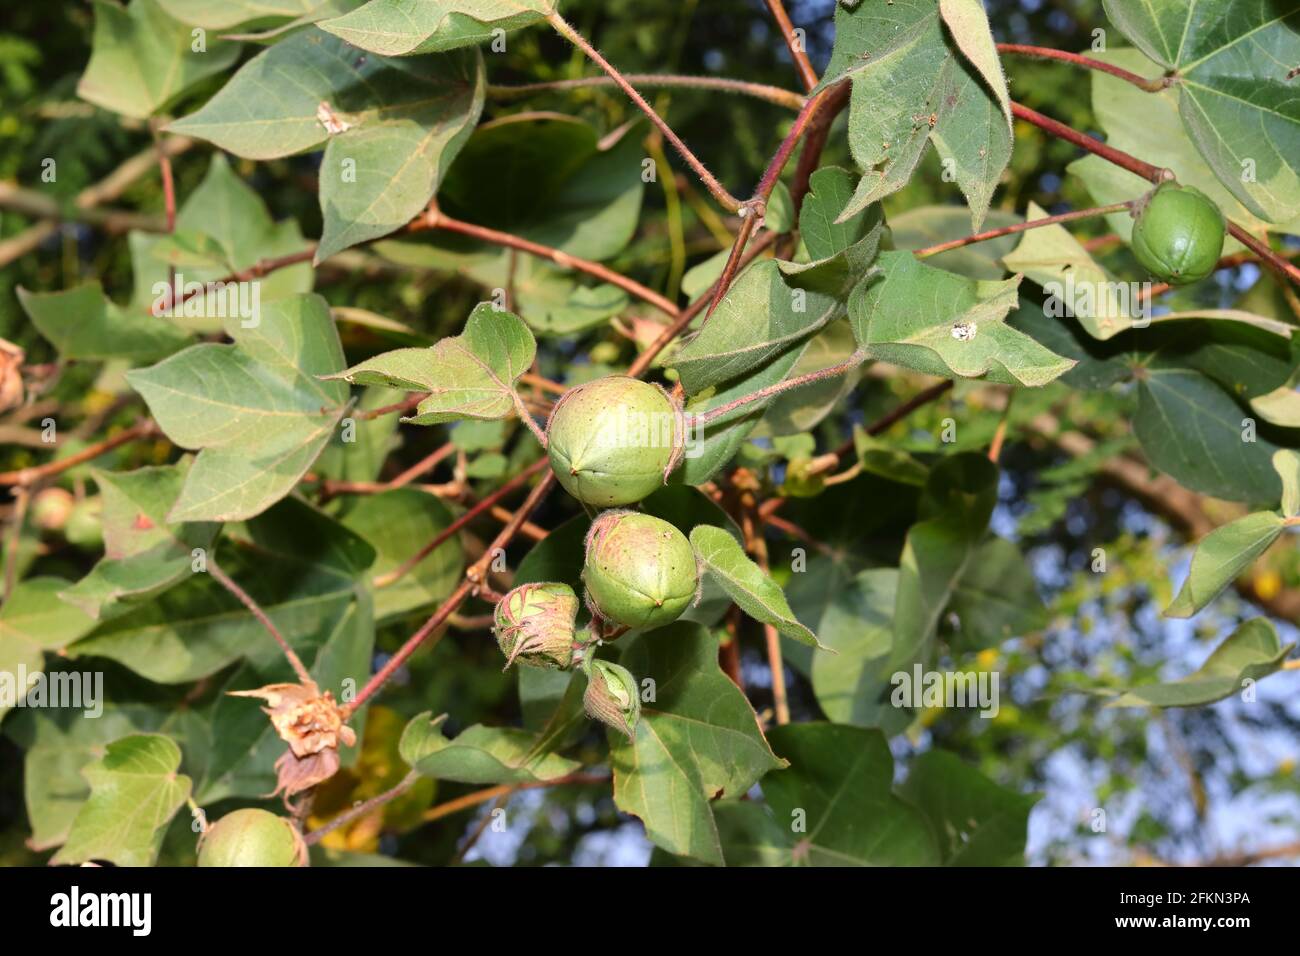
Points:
(1193, 430)
(996, 599)
(305, 570)
(135, 791)
(839, 785)
(852, 685)
(939, 551)
(552, 179)
(722, 556)
(397, 524)
(1249, 653)
(141, 59)
(479, 754)
(471, 375)
(1221, 556)
(975, 821)
(944, 324)
(697, 740)
(32, 621)
(912, 87)
(258, 409)
(143, 553)
(82, 324)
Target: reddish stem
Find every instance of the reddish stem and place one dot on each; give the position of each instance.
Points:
(1134, 165)
(27, 476)
(801, 62)
(435, 219)
(1046, 53)
(446, 533)
(1021, 227)
(227, 582)
(715, 188)
(1264, 251)
(470, 585)
(713, 414)
(679, 325)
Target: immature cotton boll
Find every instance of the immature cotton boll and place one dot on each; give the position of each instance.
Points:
(1178, 235)
(535, 625)
(640, 570)
(611, 697)
(614, 441)
(252, 837)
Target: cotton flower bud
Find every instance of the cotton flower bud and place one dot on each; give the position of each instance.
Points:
(615, 440)
(535, 625)
(252, 838)
(640, 570)
(612, 697)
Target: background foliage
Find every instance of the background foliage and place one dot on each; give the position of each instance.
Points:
(1134, 450)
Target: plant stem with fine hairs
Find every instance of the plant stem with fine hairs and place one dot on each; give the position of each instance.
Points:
(771, 94)
(304, 676)
(1077, 214)
(1046, 53)
(853, 361)
(715, 188)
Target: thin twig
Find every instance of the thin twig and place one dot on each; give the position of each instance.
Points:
(1154, 174)
(801, 62)
(475, 577)
(484, 504)
(715, 188)
(27, 476)
(1272, 259)
(679, 325)
(1046, 53)
(772, 94)
(304, 676)
(832, 371)
(776, 664)
(491, 793)
(433, 218)
(22, 497)
(362, 809)
(1089, 213)
(479, 829)
(732, 266)
(1000, 435)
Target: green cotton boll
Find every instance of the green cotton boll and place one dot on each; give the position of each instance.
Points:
(1178, 235)
(252, 838)
(614, 441)
(535, 625)
(611, 697)
(640, 571)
